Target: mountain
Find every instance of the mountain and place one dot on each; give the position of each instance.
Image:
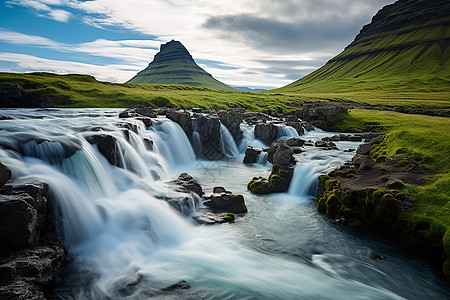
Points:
(405, 49)
(247, 89)
(174, 65)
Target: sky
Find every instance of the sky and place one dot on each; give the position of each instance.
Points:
(252, 43)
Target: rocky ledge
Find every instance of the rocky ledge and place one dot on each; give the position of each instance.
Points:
(370, 193)
(31, 252)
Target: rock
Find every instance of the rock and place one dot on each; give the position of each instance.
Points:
(209, 130)
(297, 126)
(266, 132)
(295, 142)
(307, 126)
(5, 174)
(147, 121)
(280, 154)
(107, 145)
(179, 285)
(188, 183)
(364, 162)
(364, 149)
(18, 222)
(259, 185)
(255, 117)
(232, 119)
(5, 118)
(183, 118)
(223, 200)
(343, 137)
(395, 184)
(138, 111)
(326, 145)
(210, 218)
(15, 91)
(251, 155)
(323, 114)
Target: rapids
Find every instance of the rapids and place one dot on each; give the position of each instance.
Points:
(126, 242)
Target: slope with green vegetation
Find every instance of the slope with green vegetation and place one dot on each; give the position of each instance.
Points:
(174, 65)
(84, 91)
(400, 58)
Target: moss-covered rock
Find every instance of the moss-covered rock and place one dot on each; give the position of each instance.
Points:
(259, 185)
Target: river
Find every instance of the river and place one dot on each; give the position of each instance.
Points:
(125, 242)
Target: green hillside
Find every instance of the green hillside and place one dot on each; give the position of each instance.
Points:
(400, 58)
(174, 65)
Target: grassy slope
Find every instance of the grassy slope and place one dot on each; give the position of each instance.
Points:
(406, 65)
(85, 91)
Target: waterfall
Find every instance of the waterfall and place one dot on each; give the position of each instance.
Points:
(227, 142)
(286, 132)
(262, 159)
(248, 138)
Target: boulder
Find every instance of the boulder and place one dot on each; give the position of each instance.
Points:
(223, 200)
(295, 142)
(107, 145)
(232, 119)
(183, 118)
(280, 154)
(138, 111)
(307, 126)
(256, 117)
(209, 130)
(251, 155)
(5, 174)
(363, 162)
(343, 137)
(297, 126)
(323, 114)
(364, 149)
(266, 132)
(325, 145)
(259, 185)
(210, 218)
(187, 183)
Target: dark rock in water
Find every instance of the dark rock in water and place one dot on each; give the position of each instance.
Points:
(223, 200)
(251, 155)
(325, 145)
(209, 130)
(183, 118)
(188, 183)
(148, 144)
(364, 149)
(280, 154)
(259, 185)
(307, 126)
(363, 162)
(18, 222)
(266, 132)
(5, 174)
(343, 137)
(211, 218)
(107, 145)
(232, 119)
(138, 111)
(147, 121)
(255, 117)
(297, 126)
(349, 150)
(295, 142)
(5, 118)
(31, 251)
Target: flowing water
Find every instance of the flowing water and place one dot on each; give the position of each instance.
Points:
(126, 242)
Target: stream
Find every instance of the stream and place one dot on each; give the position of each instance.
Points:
(126, 242)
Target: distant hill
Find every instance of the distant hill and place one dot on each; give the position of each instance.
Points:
(247, 89)
(405, 49)
(174, 65)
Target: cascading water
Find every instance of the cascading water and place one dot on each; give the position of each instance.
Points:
(286, 132)
(227, 142)
(125, 242)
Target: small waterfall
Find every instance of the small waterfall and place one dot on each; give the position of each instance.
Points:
(248, 138)
(227, 142)
(304, 181)
(286, 132)
(48, 151)
(262, 159)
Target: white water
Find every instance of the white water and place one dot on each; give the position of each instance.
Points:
(116, 227)
(227, 142)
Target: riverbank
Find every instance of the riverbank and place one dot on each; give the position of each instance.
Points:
(405, 195)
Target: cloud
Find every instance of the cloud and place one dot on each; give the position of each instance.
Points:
(42, 8)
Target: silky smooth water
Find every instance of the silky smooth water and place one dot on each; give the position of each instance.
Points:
(126, 242)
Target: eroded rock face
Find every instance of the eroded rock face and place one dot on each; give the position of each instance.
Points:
(107, 145)
(209, 130)
(138, 111)
(280, 154)
(31, 252)
(323, 114)
(183, 118)
(251, 155)
(232, 119)
(5, 174)
(266, 132)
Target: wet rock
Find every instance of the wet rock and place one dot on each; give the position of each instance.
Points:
(147, 121)
(223, 200)
(107, 145)
(266, 132)
(325, 145)
(187, 183)
(364, 149)
(209, 130)
(280, 154)
(5, 174)
(5, 118)
(148, 144)
(179, 285)
(251, 155)
(295, 142)
(138, 111)
(232, 119)
(323, 114)
(343, 137)
(256, 117)
(183, 118)
(307, 126)
(259, 185)
(210, 218)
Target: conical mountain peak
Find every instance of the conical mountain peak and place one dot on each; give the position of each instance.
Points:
(173, 64)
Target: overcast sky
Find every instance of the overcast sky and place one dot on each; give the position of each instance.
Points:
(253, 43)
